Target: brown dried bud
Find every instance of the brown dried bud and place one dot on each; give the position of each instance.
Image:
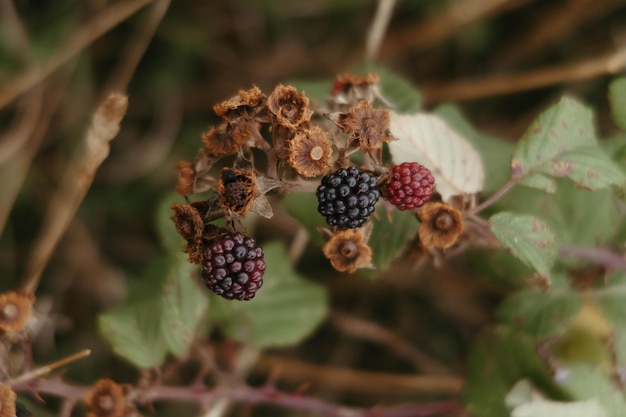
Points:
(311, 152)
(188, 222)
(369, 126)
(16, 309)
(347, 250)
(106, 399)
(247, 103)
(237, 190)
(441, 225)
(7, 401)
(225, 139)
(186, 177)
(289, 108)
(348, 89)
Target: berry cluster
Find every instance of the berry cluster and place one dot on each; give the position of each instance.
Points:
(233, 266)
(347, 197)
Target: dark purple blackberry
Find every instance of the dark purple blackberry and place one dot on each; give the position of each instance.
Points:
(233, 266)
(347, 197)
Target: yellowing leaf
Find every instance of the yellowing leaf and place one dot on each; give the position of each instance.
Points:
(428, 140)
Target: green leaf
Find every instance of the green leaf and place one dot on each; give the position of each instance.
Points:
(134, 332)
(184, 305)
(315, 90)
(527, 238)
(543, 408)
(399, 91)
(491, 149)
(303, 207)
(284, 311)
(541, 313)
(392, 230)
(585, 382)
(561, 142)
(617, 101)
(611, 298)
(498, 360)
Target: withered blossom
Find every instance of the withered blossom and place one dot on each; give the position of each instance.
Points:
(347, 250)
(369, 126)
(106, 399)
(225, 139)
(7, 401)
(186, 177)
(248, 104)
(289, 108)
(237, 190)
(348, 89)
(188, 221)
(311, 152)
(441, 225)
(16, 309)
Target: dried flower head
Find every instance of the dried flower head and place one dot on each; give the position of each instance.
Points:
(368, 125)
(441, 225)
(188, 221)
(106, 399)
(237, 190)
(186, 177)
(226, 139)
(289, 108)
(347, 250)
(7, 401)
(348, 89)
(248, 103)
(16, 309)
(311, 152)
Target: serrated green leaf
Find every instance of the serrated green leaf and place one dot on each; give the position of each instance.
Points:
(527, 238)
(284, 311)
(391, 232)
(585, 382)
(561, 142)
(134, 332)
(617, 101)
(611, 298)
(498, 360)
(184, 305)
(541, 313)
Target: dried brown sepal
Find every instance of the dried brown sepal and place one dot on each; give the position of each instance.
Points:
(16, 309)
(368, 125)
(248, 104)
(289, 108)
(106, 399)
(237, 190)
(225, 139)
(348, 89)
(347, 250)
(7, 401)
(188, 221)
(441, 225)
(311, 152)
(186, 177)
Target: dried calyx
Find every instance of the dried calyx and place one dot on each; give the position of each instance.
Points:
(347, 250)
(441, 225)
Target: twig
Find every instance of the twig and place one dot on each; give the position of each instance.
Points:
(379, 27)
(104, 127)
(298, 245)
(351, 380)
(600, 256)
(41, 371)
(357, 327)
(78, 41)
(493, 198)
(610, 63)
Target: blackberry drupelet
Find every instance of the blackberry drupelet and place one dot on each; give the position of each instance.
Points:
(410, 186)
(347, 197)
(233, 266)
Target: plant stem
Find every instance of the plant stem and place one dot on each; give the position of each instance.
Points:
(494, 197)
(602, 256)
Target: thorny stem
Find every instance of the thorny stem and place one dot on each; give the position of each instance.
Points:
(600, 256)
(267, 395)
(494, 197)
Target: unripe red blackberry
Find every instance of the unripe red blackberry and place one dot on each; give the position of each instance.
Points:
(233, 266)
(409, 185)
(347, 197)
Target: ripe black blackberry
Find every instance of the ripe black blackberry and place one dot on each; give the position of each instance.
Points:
(347, 197)
(409, 185)
(233, 266)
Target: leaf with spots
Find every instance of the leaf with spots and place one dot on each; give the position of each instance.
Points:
(562, 142)
(617, 101)
(527, 238)
(428, 140)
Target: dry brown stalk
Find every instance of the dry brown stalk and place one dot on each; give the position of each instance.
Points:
(104, 127)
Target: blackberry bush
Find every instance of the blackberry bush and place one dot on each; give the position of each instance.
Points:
(347, 197)
(233, 266)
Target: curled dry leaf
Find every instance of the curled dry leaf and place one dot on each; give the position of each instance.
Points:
(428, 140)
